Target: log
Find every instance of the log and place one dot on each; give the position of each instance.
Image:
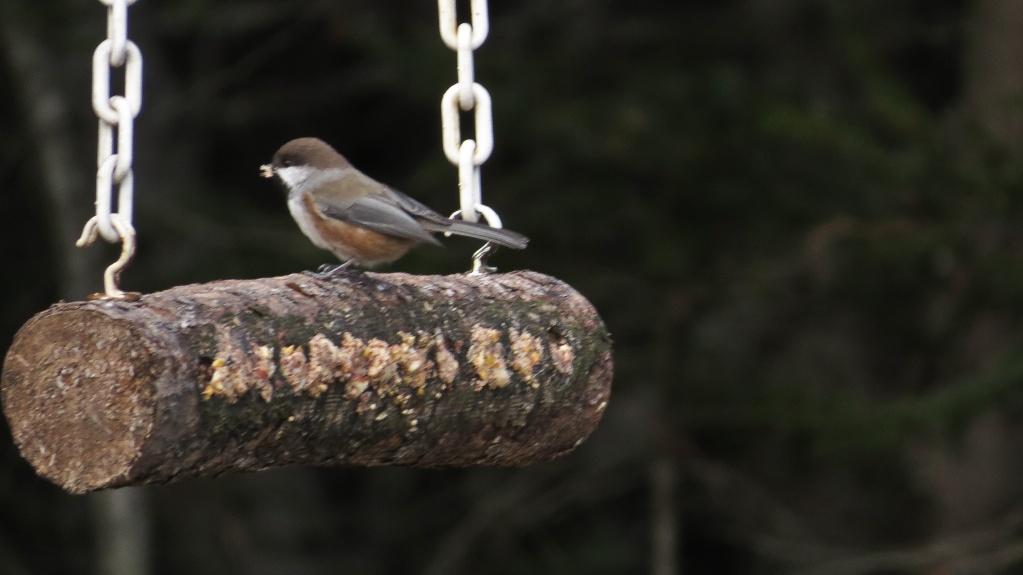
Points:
(365, 369)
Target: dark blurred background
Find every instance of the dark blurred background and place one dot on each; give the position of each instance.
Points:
(802, 221)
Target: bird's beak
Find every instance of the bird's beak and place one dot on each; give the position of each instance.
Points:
(266, 171)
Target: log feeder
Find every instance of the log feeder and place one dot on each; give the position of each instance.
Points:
(365, 369)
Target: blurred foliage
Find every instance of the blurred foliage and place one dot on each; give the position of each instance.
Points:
(806, 247)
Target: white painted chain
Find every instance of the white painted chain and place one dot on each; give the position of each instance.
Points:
(467, 95)
(449, 26)
(115, 163)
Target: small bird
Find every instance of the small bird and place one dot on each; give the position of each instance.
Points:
(356, 217)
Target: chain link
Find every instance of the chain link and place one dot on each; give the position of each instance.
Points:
(466, 68)
(449, 27)
(114, 156)
(469, 154)
(451, 125)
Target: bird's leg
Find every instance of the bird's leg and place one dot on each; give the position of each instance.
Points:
(328, 271)
(331, 268)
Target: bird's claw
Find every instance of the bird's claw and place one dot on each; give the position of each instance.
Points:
(330, 271)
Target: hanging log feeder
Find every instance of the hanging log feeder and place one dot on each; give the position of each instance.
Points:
(366, 369)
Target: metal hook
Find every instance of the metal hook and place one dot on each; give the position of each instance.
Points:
(479, 260)
(112, 275)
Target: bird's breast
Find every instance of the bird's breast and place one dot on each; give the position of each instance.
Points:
(347, 241)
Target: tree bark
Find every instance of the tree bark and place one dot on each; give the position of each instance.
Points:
(366, 369)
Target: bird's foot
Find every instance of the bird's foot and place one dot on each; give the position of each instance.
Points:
(330, 271)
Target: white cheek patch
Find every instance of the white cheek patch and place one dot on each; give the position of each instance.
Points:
(299, 178)
(294, 176)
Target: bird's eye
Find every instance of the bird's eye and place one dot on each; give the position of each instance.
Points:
(287, 162)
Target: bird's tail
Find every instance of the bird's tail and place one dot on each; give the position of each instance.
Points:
(499, 236)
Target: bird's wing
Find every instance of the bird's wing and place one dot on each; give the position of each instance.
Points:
(435, 222)
(378, 213)
(415, 207)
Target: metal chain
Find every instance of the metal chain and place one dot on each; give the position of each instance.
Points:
(115, 161)
(468, 155)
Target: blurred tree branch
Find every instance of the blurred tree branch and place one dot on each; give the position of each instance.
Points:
(988, 550)
(60, 172)
(121, 516)
(664, 524)
(994, 77)
(524, 502)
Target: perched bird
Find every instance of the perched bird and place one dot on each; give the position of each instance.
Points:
(356, 217)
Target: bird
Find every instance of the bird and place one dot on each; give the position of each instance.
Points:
(360, 220)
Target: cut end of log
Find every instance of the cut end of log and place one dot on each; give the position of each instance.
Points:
(89, 384)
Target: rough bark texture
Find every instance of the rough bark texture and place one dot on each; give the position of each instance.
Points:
(366, 369)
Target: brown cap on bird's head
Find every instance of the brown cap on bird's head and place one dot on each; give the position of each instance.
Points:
(312, 152)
